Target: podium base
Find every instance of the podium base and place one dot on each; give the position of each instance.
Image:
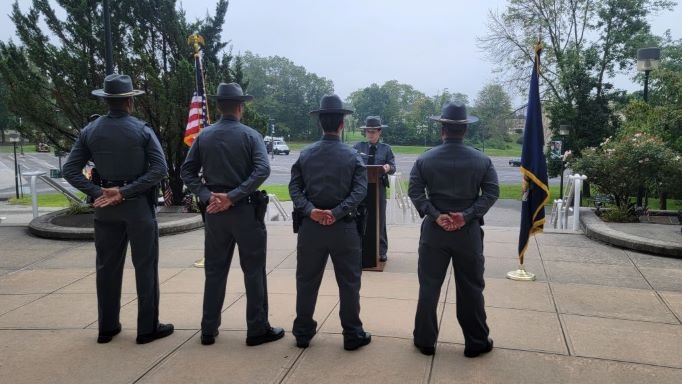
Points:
(378, 268)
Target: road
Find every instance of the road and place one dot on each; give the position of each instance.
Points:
(280, 170)
(29, 162)
(280, 167)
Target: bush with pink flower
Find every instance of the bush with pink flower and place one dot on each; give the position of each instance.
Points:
(618, 167)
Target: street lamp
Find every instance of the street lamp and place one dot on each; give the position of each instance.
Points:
(108, 56)
(272, 136)
(647, 60)
(564, 130)
(14, 139)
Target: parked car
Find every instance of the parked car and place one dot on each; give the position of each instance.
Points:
(515, 162)
(42, 147)
(279, 147)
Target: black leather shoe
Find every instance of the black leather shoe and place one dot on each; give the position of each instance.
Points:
(302, 343)
(107, 336)
(274, 333)
(383, 258)
(162, 330)
(209, 339)
(428, 351)
(352, 344)
(474, 353)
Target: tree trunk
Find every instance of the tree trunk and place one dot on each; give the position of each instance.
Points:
(663, 201)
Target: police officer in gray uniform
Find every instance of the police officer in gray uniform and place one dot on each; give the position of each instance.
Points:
(130, 164)
(453, 186)
(235, 163)
(374, 152)
(328, 182)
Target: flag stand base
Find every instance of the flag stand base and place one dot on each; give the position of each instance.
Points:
(199, 263)
(520, 275)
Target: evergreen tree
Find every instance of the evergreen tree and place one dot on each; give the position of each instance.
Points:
(50, 74)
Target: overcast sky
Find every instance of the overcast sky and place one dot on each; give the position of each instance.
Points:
(429, 44)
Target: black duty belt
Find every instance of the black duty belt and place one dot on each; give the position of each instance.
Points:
(221, 189)
(218, 189)
(114, 183)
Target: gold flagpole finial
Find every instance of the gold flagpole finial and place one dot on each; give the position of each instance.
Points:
(196, 41)
(538, 49)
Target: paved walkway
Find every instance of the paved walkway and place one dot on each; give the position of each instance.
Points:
(595, 314)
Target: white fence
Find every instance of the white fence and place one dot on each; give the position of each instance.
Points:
(569, 205)
(399, 208)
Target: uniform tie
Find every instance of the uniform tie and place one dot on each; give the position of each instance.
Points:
(372, 153)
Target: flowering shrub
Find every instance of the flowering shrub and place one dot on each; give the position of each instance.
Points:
(619, 166)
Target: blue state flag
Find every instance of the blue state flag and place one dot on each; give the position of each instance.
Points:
(533, 165)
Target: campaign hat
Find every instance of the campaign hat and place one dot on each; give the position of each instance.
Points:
(231, 91)
(373, 122)
(117, 86)
(331, 104)
(454, 112)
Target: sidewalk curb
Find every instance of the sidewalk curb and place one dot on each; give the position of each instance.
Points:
(596, 229)
(42, 226)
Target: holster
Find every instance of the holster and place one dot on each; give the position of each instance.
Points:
(384, 181)
(260, 200)
(361, 219)
(95, 177)
(296, 219)
(202, 208)
(152, 195)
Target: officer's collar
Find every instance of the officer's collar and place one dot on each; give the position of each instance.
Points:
(229, 117)
(331, 137)
(117, 113)
(453, 140)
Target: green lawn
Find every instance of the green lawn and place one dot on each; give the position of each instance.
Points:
(514, 151)
(9, 148)
(507, 191)
(55, 200)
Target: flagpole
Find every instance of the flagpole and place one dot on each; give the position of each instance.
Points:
(196, 41)
(534, 171)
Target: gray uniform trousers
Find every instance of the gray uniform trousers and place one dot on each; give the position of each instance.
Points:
(316, 243)
(133, 220)
(436, 248)
(238, 225)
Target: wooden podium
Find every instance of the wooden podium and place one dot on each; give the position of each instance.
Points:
(370, 242)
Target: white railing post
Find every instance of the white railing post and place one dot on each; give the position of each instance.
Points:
(561, 213)
(34, 194)
(391, 201)
(578, 183)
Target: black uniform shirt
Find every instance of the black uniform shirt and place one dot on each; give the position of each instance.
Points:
(233, 158)
(123, 149)
(453, 177)
(328, 175)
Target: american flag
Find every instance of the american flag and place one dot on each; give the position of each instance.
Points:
(167, 193)
(198, 110)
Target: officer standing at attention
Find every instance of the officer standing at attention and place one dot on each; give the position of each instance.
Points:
(453, 185)
(130, 164)
(328, 182)
(235, 163)
(375, 153)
